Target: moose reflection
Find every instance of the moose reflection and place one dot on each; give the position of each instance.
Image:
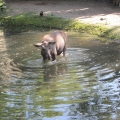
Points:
(54, 71)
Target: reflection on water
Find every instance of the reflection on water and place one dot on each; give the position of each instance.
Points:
(84, 85)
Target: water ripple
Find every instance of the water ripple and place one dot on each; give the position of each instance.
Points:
(84, 85)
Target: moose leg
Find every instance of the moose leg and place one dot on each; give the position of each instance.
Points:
(116, 2)
(64, 51)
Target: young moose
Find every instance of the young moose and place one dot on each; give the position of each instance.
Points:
(52, 45)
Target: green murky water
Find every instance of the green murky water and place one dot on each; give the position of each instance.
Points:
(85, 85)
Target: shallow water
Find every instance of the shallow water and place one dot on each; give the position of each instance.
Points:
(84, 85)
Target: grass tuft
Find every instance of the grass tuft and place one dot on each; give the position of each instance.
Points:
(52, 22)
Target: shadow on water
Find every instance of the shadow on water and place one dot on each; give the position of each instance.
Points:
(84, 85)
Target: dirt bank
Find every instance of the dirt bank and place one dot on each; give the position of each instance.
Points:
(90, 11)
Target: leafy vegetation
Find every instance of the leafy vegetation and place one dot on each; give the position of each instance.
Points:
(113, 33)
(1, 3)
(53, 22)
(2, 6)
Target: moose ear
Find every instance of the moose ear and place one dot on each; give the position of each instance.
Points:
(38, 44)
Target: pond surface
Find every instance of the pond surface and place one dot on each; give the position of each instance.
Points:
(84, 85)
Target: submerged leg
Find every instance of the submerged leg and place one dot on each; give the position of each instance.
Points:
(53, 57)
(64, 51)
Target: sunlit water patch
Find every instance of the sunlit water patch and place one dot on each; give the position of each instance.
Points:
(83, 85)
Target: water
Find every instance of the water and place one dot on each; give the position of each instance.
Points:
(84, 85)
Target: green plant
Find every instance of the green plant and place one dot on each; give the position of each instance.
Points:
(52, 22)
